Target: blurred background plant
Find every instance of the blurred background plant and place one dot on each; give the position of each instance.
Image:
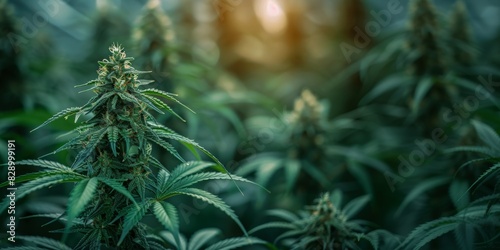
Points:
(303, 97)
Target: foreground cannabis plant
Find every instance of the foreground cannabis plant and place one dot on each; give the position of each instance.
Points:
(114, 168)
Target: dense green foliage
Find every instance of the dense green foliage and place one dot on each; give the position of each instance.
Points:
(347, 124)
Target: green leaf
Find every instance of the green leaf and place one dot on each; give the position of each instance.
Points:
(88, 83)
(67, 112)
(93, 105)
(163, 176)
(166, 95)
(46, 164)
(31, 176)
(359, 156)
(458, 194)
(292, 170)
(167, 216)
(267, 170)
(131, 99)
(89, 148)
(487, 135)
(486, 174)
(188, 168)
(47, 243)
(421, 188)
(117, 186)
(201, 237)
(199, 177)
(168, 135)
(134, 215)
(428, 231)
(42, 182)
(476, 149)
(376, 236)
(171, 149)
(355, 205)
(24, 248)
(384, 86)
(213, 200)
(233, 243)
(274, 224)
(157, 102)
(79, 198)
(113, 138)
(283, 214)
(421, 90)
(148, 103)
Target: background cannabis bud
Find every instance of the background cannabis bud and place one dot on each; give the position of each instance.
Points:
(306, 108)
(425, 42)
(154, 38)
(324, 225)
(463, 51)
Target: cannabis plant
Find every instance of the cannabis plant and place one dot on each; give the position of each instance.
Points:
(427, 83)
(463, 51)
(425, 40)
(303, 155)
(154, 39)
(297, 151)
(326, 225)
(117, 179)
(476, 222)
(205, 239)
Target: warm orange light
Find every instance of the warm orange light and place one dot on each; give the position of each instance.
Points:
(270, 15)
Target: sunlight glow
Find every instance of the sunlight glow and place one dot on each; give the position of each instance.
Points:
(270, 15)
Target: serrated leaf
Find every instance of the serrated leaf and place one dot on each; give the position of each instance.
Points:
(91, 106)
(190, 180)
(66, 112)
(113, 138)
(47, 243)
(133, 216)
(201, 237)
(45, 164)
(88, 83)
(162, 179)
(89, 148)
(457, 191)
(213, 200)
(79, 198)
(180, 138)
(292, 170)
(157, 102)
(421, 90)
(384, 86)
(188, 168)
(421, 188)
(233, 243)
(171, 149)
(355, 205)
(117, 186)
(274, 224)
(487, 135)
(42, 182)
(167, 216)
(32, 176)
(148, 103)
(169, 96)
(428, 231)
(486, 174)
